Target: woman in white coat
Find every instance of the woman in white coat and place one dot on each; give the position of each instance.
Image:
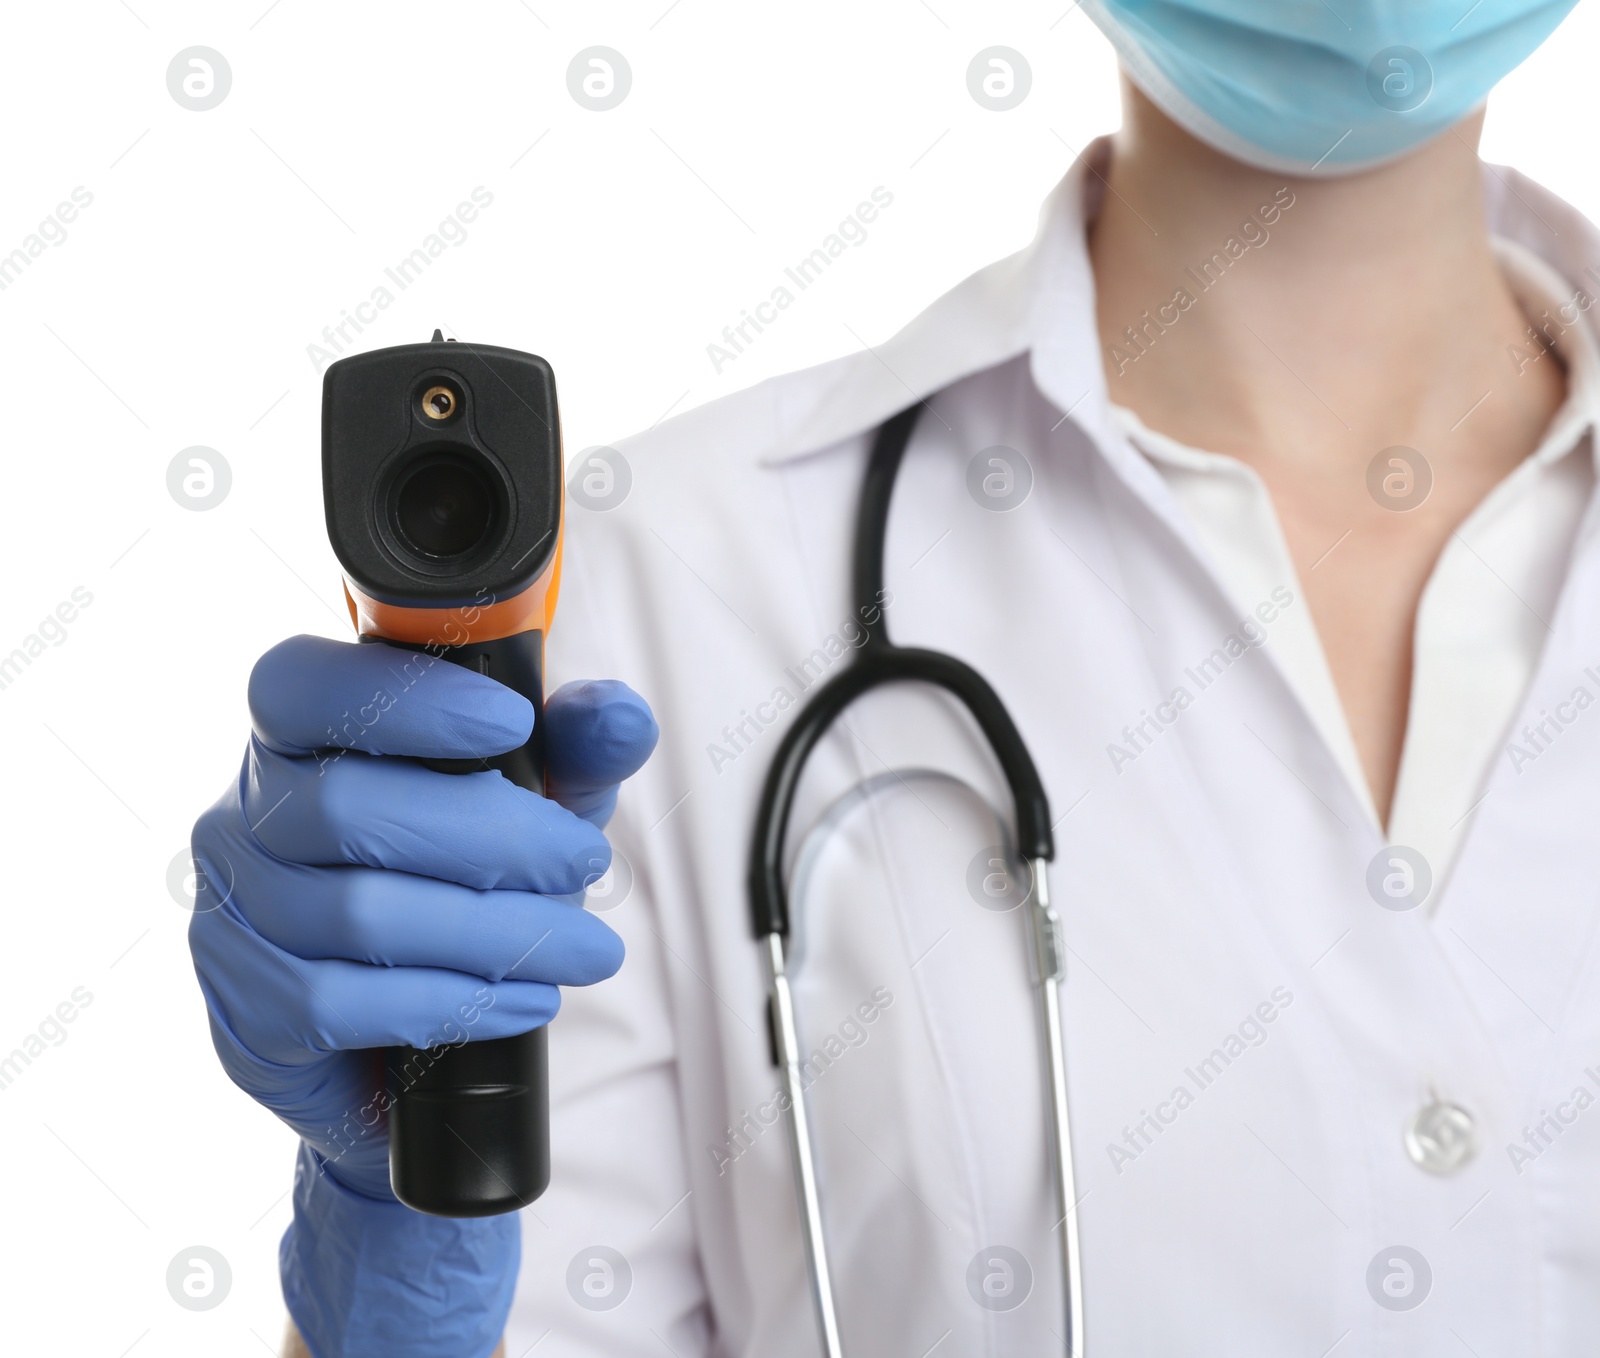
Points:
(1263, 497)
(1326, 1094)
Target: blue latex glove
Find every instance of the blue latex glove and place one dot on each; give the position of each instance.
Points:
(351, 903)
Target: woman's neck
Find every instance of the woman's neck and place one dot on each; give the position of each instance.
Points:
(1314, 320)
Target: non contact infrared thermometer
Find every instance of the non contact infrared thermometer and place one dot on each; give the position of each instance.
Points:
(442, 482)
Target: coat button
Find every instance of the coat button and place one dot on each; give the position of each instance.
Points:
(1441, 1137)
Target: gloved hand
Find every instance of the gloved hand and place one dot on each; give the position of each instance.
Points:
(349, 902)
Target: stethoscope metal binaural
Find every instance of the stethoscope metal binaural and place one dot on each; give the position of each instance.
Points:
(879, 661)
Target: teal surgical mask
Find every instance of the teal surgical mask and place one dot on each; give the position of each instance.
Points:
(1321, 87)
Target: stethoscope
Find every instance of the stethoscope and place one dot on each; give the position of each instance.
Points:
(879, 661)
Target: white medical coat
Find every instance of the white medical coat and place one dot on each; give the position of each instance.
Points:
(1248, 1029)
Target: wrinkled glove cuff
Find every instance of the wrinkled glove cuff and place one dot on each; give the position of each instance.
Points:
(365, 1278)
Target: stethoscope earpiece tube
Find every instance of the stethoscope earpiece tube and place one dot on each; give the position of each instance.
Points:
(880, 662)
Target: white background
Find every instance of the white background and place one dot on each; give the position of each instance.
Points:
(179, 310)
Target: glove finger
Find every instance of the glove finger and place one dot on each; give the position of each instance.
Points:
(478, 829)
(309, 693)
(597, 733)
(394, 919)
(397, 919)
(289, 1012)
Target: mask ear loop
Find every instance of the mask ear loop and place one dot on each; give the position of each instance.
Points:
(881, 662)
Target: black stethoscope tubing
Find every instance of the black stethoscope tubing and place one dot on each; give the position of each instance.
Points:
(878, 662)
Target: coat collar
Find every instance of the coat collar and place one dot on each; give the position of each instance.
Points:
(1040, 301)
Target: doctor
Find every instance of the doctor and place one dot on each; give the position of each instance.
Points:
(1260, 486)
